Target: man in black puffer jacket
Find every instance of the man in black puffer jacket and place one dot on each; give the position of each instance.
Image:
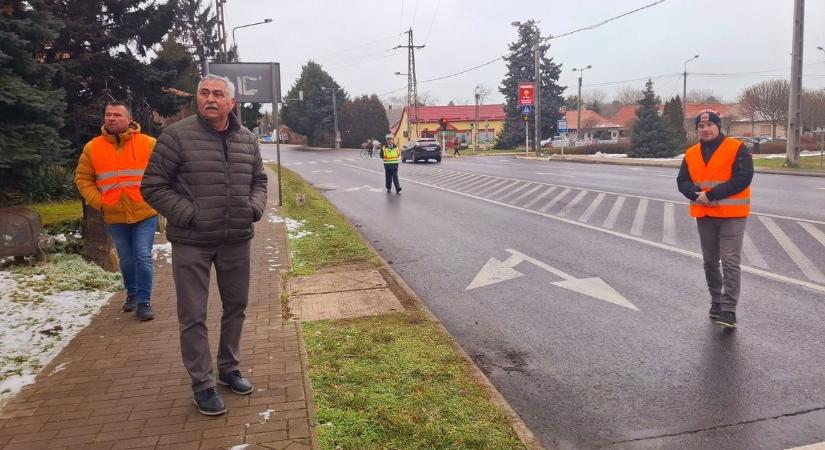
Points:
(207, 178)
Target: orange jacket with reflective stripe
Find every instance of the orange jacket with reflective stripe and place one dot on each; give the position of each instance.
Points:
(717, 171)
(110, 171)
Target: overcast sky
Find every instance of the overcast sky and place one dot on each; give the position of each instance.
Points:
(353, 41)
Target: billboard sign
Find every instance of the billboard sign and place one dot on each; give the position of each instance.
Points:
(525, 93)
(254, 82)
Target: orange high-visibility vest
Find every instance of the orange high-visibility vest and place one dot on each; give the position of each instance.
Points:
(391, 155)
(119, 173)
(717, 171)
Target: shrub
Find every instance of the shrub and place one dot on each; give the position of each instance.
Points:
(48, 183)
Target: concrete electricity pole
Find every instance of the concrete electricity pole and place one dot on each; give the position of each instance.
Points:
(684, 93)
(475, 123)
(579, 102)
(334, 117)
(794, 112)
(537, 89)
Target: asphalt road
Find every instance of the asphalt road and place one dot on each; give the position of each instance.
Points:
(579, 290)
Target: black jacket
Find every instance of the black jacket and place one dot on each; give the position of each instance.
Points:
(741, 178)
(211, 186)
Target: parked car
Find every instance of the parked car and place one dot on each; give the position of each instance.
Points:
(423, 149)
(557, 141)
(267, 139)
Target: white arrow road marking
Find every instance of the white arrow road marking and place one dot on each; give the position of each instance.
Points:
(495, 271)
(367, 188)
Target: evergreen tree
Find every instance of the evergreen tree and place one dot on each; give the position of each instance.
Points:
(595, 106)
(674, 117)
(31, 109)
(313, 117)
(521, 67)
(251, 115)
(651, 137)
(196, 25)
(361, 119)
(101, 54)
(571, 102)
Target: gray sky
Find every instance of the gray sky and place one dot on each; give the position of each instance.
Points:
(353, 39)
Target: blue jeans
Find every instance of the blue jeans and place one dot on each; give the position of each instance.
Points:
(134, 249)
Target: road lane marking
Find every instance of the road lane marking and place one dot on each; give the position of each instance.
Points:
(476, 183)
(556, 174)
(484, 185)
(572, 203)
(639, 220)
(495, 186)
(495, 271)
(610, 221)
(752, 253)
(805, 265)
(817, 446)
(457, 179)
(814, 231)
(659, 245)
(502, 189)
(669, 224)
(520, 188)
(537, 199)
(555, 200)
(592, 208)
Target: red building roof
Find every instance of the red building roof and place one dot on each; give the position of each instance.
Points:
(458, 113)
(590, 120)
(625, 116)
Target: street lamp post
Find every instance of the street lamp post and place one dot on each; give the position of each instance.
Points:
(235, 43)
(334, 117)
(684, 91)
(580, 70)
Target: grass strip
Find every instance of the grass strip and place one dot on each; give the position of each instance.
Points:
(807, 163)
(395, 381)
(319, 236)
(56, 213)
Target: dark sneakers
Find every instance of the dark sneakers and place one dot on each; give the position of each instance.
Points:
(398, 191)
(209, 402)
(237, 383)
(130, 304)
(715, 309)
(144, 312)
(727, 319)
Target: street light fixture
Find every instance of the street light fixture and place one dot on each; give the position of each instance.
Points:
(334, 117)
(234, 43)
(579, 101)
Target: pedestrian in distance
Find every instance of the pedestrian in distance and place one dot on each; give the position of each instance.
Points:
(716, 176)
(456, 145)
(108, 177)
(207, 177)
(391, 155)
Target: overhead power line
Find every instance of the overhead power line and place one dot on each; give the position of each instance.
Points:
(597, 25)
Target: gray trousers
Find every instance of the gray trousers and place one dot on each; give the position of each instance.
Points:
(191, 267)
(721, 240)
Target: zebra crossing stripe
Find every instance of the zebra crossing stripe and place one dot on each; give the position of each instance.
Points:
(805, 265)
(499, 182)
(522, 187)
(502, 189)
(555, 200)
(752, 253)
(592, 208)
(475, 182)
(536, 200)
(573, 203)
(458, 180)
(813, 231)
(484, 185)
(610, 221)
(639, 220)
(527, 194)
(669, 224)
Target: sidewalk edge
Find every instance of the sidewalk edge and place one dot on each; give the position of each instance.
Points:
(308, 393)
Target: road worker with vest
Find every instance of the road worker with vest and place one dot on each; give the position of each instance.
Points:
(715, 176)
(391, 155)
(108, 177)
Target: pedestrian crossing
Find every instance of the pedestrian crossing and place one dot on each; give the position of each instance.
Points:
(793, 247)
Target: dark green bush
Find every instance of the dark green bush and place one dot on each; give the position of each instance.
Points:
(48, 183)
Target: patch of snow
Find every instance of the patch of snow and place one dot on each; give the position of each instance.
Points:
(34, 329)
(266, 415)
(239, 446)
(274, 218)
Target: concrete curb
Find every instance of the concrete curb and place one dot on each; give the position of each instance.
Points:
(309, 398)
(675, 164)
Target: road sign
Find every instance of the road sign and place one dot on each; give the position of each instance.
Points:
(495, 271)
(525, 93)
(561, 126)
(525, 109)
(254, 82)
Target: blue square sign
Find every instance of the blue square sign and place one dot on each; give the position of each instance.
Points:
(525, 109)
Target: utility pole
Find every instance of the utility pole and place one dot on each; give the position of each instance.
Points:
(334, 117)
(475, 123)
(794, 112)
(412, 87)
(579, 102)
(537, 89)
(221, 28)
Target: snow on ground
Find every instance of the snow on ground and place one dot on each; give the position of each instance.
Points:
(44, 307)
(294, 230)
(162, 251)
(783, 155)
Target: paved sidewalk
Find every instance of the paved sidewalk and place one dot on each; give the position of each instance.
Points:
(121, 384)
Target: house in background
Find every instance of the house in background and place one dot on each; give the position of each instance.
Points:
(594, 126)
(460, 120)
